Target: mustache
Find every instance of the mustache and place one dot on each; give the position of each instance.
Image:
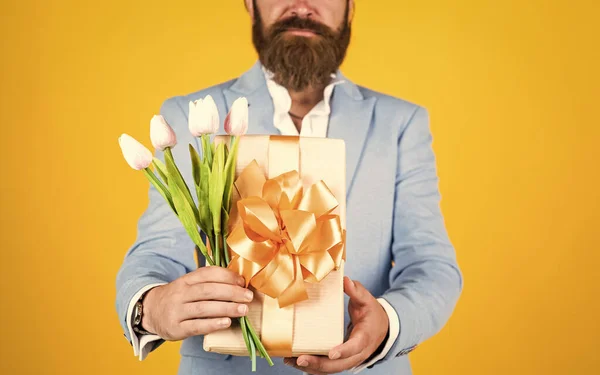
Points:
(296, 22)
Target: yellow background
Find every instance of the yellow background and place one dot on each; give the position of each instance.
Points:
(513, 91)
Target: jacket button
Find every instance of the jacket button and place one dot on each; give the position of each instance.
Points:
(406, 351)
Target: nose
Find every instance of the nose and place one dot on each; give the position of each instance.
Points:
(301, 9)
(302, 12)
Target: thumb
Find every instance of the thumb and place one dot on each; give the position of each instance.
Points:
(356, 291)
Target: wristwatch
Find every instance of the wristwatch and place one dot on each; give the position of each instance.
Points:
(138, 313)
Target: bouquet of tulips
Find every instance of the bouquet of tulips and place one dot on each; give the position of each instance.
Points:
(213, 172)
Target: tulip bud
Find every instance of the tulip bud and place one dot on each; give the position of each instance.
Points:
(136, 155)
(203, 117)
(161, 134)
(236, 122)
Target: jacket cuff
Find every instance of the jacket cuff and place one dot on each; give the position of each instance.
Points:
(410, 334)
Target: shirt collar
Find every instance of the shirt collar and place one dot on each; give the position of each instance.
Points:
(281, 96)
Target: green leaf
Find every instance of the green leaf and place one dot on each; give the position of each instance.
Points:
(175, 178)
(161, 169)
(227, 148)
(195, 164)
(224, 221)
(162, 189)
(215, 197)
(186, 216)
(207, 149)
(203, 207)
(230, 174)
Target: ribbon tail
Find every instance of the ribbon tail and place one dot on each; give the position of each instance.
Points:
(296, 292)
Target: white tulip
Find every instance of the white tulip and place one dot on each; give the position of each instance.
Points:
(161, 134)
(236, 122)
(136, 155)
(203, 117)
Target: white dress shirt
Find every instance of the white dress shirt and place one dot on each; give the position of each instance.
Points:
(314, 124)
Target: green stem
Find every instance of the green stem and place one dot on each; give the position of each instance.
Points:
(253, 355)
(225, 250)
(211, 241)
(245, 332)
(217, 249)
(169, 154)
(160, 167)
(162, 189)
(258, 343)
(178, 179)
(204, 252)
(208, 259)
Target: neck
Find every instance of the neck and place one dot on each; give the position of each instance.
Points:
(303, 101)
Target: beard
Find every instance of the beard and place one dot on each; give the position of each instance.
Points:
(299, 62)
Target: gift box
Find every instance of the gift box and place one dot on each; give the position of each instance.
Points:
(305, 316)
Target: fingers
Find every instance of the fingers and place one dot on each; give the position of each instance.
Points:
(341, 358)
(323, 365)
(198, 327)
(293, 363)
(218, 292)
(213, 274)
(358, 294)
(355, 345)
(213, 309)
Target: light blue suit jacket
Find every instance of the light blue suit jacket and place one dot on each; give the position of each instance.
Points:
(393, 215)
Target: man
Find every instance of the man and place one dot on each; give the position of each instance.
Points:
(406, 280)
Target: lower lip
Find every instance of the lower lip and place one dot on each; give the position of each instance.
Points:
(301, 32)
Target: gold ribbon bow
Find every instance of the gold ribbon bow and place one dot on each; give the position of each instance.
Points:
(284, 237)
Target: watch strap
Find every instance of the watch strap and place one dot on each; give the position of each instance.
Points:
(138, 315)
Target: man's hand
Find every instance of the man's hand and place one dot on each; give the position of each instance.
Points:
(370, 327)
(198, 303)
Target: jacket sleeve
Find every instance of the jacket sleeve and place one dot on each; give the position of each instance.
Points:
(162, 251)
(425, 281)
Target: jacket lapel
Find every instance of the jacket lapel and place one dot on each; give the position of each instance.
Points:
(350, 120)
(253, 86)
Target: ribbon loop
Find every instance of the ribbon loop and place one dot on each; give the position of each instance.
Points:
(258, 216)
(298, 225)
